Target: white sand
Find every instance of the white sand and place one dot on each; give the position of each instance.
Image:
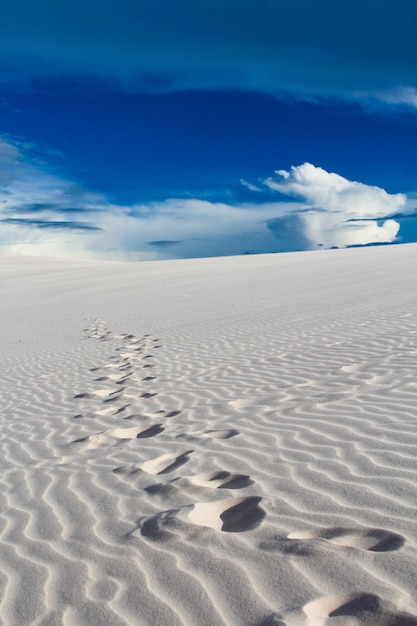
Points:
(210, 442)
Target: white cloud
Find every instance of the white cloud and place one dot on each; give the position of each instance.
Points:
(42, 213)
(337, 211)
(249, 186)
(400, 96)
(334, 193)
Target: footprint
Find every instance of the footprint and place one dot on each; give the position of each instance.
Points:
(155, 415)
(132, 354)
(98, 330)
(163, 527)
(118, 360)
(372, 539)
(221, 480)
(231, 515)
(115, 366)
(353, 367)
(145, 395)
(116, 378)
(244, 402)
(162, 413)
(150, 432)
(99, 393)
(221, 434)
(111, 410)
(359, 609)
(127, 470)
(100, 333)
(211, 434)
(228, 515)
(113, 437)
(113, 399)
(211, 480)
(132, 347)
(274, 619)
(165, 463)
(282, 545)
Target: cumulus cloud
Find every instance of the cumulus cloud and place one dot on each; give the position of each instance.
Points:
(44, 213)
(332, 192)
(335, 211)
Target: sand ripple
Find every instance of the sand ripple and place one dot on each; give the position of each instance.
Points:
(236, 445)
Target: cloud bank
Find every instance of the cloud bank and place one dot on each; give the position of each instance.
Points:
(44, 213)
(355, 49)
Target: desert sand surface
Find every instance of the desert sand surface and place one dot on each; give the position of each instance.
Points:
(227, 441)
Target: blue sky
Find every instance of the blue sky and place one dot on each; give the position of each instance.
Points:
(156, 129)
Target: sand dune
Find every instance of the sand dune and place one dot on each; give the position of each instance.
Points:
(210, 442)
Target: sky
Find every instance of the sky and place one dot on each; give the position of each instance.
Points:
(153, 129)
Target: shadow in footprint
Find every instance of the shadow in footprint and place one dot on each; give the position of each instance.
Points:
(165, 463)
(239, 481)
(209, 434)
(282, 545)
(117, 379)
(231, 515)
(163, 413)
(275, 619)
(180, 460)
(160, 527)
(222, 434)
(80, 440)
(127, 470)
(364, 602)
(113, 410)
(150, 432)
(244, 516)
(221, 515)
(113, 398)
(221, 480)
(362, 608)
(119, 435)
(161, 489)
